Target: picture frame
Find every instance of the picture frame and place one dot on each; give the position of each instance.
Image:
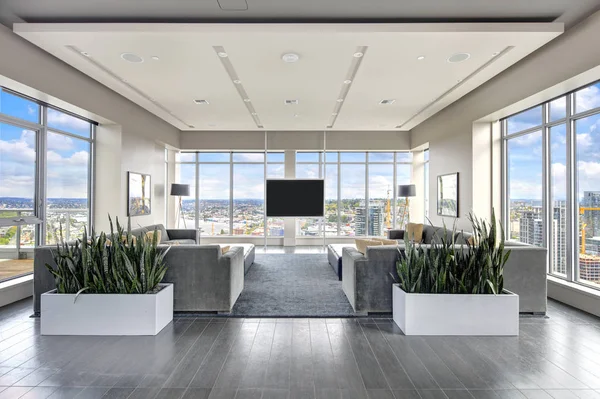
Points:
(139, 194)
(447, 195)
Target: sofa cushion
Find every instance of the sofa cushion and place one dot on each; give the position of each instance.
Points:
(461, 238)
(149, 236)
(442, 233)
(428, 233)
(362, 244)
(179, 242)
(385, 241)
(414, 231)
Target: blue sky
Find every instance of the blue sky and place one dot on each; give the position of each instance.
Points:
(67, 157)
(525, 152)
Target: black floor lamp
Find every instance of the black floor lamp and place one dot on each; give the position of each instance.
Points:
(180, 190)
(406, 191)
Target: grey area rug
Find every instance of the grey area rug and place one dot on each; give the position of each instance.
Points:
(292, 285)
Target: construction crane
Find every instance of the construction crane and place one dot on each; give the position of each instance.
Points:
(582, 210)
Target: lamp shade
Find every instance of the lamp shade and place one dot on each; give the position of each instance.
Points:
(407, 190)
(181, 190)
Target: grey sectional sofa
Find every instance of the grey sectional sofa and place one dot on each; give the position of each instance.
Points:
(205, 280)
(367, 279)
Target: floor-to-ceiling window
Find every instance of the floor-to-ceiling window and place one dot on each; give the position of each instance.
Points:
(360, 191)
(227, 191)
(426, 183)
(552, 182)
(45, 178)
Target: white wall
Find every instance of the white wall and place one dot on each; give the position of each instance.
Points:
(450, 132)
(133, 140)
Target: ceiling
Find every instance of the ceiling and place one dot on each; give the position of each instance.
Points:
(288, 10)
(189, 68)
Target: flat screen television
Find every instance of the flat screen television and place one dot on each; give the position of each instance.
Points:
(295, 198)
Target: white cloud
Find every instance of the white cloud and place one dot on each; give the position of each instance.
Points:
(588, 98)
(60, 142)
(66, 122)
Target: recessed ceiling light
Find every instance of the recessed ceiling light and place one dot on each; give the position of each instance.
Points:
(222, 54)
(246, 100)
(347, 81)
(334, 113)
(155, 58)
(296, 115)
(291, 102)
(495, 54)
(237, 81)
(254, 114)
(387, 102)
(421, 57)
(201, 102)
(85, 54)
(339, 100)
(358, 55)
(290, 57)
(459, 57)
(130, 57)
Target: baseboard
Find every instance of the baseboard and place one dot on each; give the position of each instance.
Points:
(575, 295)
(16, 289)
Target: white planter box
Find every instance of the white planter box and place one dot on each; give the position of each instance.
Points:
(448, 314)
(106, 314)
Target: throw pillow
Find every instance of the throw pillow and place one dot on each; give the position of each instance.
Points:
(150, 236)
(385, 241)
(414, 231)
(133, 239)
(362, 244)
(224, 250)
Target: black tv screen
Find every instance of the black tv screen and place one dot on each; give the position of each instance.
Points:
(295, 198)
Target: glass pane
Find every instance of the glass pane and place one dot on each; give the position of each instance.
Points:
(403, 176)
(17, 170)
(426, 173)
(331, 156)
(404, 157)
(353, 212)
(185, 157)
(213, 157)
(524, 155)
(381, 196)
(307, 171)
(331, 200)
(214, 199)
(307, 157)
(558, 196)
(588, 184)
(275, 171)
(525, 120)
(558, 109)
(381, 157)
(310, 227)
(587, 98)
(249, 157)
(426, 155)
(186, 217)
(276, 157)
(16, 250)
(67, 169)
(67, 123)
(19, 107)
(248, 199)
(353, 156)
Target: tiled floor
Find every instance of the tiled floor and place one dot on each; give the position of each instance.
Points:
(556, 357)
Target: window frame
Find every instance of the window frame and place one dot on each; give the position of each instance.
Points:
(572, 199)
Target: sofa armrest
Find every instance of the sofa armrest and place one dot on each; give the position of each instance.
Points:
(233, 260)
(351, 260)
(395, 234)
(183, 234)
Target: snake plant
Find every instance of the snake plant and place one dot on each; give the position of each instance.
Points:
(447, 268)
(109, 263)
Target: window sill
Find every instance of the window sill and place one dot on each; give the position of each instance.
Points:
(574, 294)
(15, 289)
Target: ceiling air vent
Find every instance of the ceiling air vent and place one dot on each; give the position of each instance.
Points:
(201, 102)
(291, 102)
(387, 102)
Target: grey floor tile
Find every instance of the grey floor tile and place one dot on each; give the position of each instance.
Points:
(328, 393)
(586, 393)
(14, 392)
(92, 393)
(171, 393)
(66, 392)
(217, 393)
(274, 393)
(302, 393)
(432, 394)
(380, 394)
(196, 393)
(536, 394)
(118, 393)
(39, 393)
(406, 394)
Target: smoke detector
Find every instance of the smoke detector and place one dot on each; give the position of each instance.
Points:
(290, 57)
(291, 102)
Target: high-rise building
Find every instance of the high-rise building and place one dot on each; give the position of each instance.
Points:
(376, 220)
(531, 227)
(559, 237)
(589, 267)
